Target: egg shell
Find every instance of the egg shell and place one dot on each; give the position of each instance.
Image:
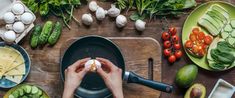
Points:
(92, 61)
(18, 27)
(18, 8)
(9, 36)
(26, 18)
(9, 17)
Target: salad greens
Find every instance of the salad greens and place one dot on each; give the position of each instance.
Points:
(155, 7)
(60, 8)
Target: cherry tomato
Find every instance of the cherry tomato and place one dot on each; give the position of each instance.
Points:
(195, 49)
(175, 38)
(196, 31)
(178, 54)
(177, 46)
(171, 59)
(208, 40)
(201, 52)
(189, 44)
(201, 35)
(192, 37)
(167, 44)
(167, 52)
(204, 46)
(173, 31)
(165, 35)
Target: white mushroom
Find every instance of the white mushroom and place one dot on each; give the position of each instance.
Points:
(9, 36)
(26, 18)
(100, 13)
(140, 25)
(87, 19)
(113, 11)
(18, 27)
(93, 6)
(18, 8)
(121, 21)
(9, 17)
(92, 65)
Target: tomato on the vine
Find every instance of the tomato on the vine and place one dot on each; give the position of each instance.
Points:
(172, 58)
(167, 44)
(177, 46)
(165, 35)
(167, 52)
(173, 31)
(175, 38)
(178, 54)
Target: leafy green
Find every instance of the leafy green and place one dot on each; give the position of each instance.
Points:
(222, 56)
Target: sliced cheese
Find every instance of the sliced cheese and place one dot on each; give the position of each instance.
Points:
(19, 70)
(16, 79)
(18, 61)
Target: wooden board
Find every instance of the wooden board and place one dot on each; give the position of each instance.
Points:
(138, 54)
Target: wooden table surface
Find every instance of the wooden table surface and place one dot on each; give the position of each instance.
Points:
(107, 28)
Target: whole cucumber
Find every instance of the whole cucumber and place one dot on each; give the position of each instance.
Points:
(46, 31)
(35, 35)
(54, 37)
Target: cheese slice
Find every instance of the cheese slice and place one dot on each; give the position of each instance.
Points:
(19, 70)
(16, 79)
(18, 61)
(12, 57)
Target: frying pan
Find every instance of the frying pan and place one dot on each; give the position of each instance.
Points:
(92, 85)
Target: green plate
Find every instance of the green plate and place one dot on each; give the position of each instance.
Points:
(191, 21)
(13, 89)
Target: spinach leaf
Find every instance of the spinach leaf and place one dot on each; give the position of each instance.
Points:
(223, 57)
(135, 16)
(218, 66)
(224, 46)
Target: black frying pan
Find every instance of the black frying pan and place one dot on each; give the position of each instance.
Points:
(93, 85)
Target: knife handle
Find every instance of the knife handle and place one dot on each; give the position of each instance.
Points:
(134, 78)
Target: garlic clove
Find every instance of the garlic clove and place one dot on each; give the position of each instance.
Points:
(87, 19)
(121, 21)
(9, 17)
(113, 11)
(93, 6)
(9, 36)
(26, 18)
(100, 13)
(18, 27)
(18, 8)
(140, 25)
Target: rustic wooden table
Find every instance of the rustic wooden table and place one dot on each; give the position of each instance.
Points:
(49, 70)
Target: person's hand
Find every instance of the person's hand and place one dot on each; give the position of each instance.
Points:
(73, 77)
(112, 78)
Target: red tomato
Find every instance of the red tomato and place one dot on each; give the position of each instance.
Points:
(192, 37)
(204, 46)
(167, 44)
(201, 35)
(189, 44)
(175, 38)
(171, 59)
(178, 54)
(167, 52)
(195, 49)
(173, 31)
(177, 46)
(201, 52)
(165, 35)
(196, 31)
(208, 40)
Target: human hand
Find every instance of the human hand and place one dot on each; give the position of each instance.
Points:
(73, 77)
(112, 78)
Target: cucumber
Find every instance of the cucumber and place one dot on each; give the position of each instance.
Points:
(54, 37)
(206, 24)
(16, 94)
(221, 10)
(233, 33)
(228, 28)
(212, 21)
(217, 16)
(34, 90)
(25, 97)
(27, 88)
(35, 35)
(224, 34)
(11, 96)
(21, 92)
(39, 93)
(232, 23)
(231, 41)
(222, 17)
(46, 31)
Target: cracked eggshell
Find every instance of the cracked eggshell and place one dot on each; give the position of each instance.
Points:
(26, 18)
(89, 64)
(18, 8)
(121, 21)
(18, 27)
(9, 36)
(9, 17)
(93, 6)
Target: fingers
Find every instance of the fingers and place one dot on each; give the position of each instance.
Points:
(107, 63)
(102, 73)
(78, 63)
(83, 72)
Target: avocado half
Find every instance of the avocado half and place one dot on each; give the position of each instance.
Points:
(198, 86)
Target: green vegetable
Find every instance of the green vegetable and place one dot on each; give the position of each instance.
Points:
(222, 56)
(44, 9)
(35, 35)
(46, 31)
(55, 34)
(186, 75)
(34, 90)
(191, 93)
(27, 88)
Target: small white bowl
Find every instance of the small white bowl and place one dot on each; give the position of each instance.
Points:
(222, 89)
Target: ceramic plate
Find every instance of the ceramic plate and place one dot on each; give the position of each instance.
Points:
(191, 21)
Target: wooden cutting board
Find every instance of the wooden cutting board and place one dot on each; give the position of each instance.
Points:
(142, 56)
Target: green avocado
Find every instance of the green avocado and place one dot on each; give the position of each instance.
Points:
(196, 91)
(186, 75)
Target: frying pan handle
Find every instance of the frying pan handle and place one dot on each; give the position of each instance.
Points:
(134, 78)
